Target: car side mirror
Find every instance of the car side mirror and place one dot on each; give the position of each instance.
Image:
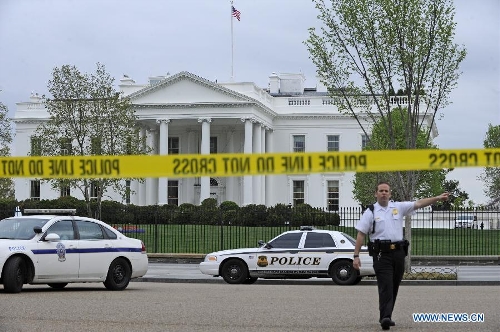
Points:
(52, 237)
(261, 243)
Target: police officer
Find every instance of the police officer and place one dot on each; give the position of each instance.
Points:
(385, 228)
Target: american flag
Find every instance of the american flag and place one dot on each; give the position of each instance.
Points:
(235, 12)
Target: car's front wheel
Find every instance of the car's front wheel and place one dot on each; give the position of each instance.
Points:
(14, 272)
(343, 273)
(119, 275)
(234, 271)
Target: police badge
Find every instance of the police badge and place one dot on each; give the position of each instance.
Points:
(61, 252)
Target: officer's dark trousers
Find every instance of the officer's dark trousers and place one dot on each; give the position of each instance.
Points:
(389, 269)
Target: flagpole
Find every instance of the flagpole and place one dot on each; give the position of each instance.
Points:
(232, 48)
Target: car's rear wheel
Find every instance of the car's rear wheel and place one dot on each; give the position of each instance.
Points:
(59, 285)
(343, 273)
(13, 276)
(250, 280)
(119, 275)
(234, 271)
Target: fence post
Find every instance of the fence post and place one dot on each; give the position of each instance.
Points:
(221, 223)
(156, 230)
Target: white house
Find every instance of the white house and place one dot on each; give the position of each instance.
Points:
(187, 114)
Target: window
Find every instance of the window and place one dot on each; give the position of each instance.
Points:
(299, 143)
(94, 189)
(64, 189)
(213, 145)
(173, 145)
(332, 194)
(66, 147)
(290, 240)
(89, 230)
(214, 182)
(318, 240)
(364, 141)
(298, 192)
(173, 193)
(333, 142)
(64, 229)
(35, 190)
(95, 146)
(36, 146)
(127, 191)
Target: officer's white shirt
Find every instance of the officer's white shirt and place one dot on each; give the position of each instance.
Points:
(389, 221)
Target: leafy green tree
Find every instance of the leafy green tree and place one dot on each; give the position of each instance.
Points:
(457, 198)
(6, 184)
(88, 117)
(491, 175)
(429, 183)
(366, 50)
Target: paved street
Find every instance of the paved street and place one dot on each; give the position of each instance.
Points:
(190, 307)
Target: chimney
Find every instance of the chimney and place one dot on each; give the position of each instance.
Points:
(274, 83)
(320, 87)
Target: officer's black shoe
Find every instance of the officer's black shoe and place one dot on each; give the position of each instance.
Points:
(393, 323)
(385, 323)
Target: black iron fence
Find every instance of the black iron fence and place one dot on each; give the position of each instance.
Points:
(198, 229)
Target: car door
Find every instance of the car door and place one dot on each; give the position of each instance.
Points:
(58, 259)
(279, 256)
(96, 250)
(317, 253)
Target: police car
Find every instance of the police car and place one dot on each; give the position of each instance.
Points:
(53, 249)
(303, 253)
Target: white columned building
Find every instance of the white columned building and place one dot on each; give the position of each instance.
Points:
(187, 114)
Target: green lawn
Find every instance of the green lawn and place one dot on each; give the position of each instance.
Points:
(203, 239)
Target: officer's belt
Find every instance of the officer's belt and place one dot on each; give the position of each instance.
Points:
(387, 245)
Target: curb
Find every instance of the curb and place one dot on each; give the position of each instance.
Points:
(325, 282)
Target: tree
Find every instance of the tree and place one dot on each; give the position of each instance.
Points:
(6, 184)
(491, 175)
(366, 50)
(457, 198)
(429, 183)
(88, 117)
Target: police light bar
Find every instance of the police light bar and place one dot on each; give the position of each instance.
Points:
(50, 211)
(307, 228)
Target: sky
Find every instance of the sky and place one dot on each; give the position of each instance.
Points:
(144, 38)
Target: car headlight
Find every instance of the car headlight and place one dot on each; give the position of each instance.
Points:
(211, 258)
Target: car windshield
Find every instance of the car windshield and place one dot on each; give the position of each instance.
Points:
(20, 228)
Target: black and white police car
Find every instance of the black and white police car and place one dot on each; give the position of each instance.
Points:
(303, 253)
(47, 248)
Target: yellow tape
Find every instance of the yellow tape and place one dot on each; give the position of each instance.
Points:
(214, 165)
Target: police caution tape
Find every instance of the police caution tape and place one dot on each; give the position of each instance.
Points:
(214, 165)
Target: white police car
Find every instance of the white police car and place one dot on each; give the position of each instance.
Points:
(61, 249)
(303, 253)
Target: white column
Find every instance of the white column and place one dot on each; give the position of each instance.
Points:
(151, 182)
(247, 148)
(230, 180)
(141, 186)
(269, 178)
(257, 179)
(163, 149)
(205, 149)
(263, 178)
